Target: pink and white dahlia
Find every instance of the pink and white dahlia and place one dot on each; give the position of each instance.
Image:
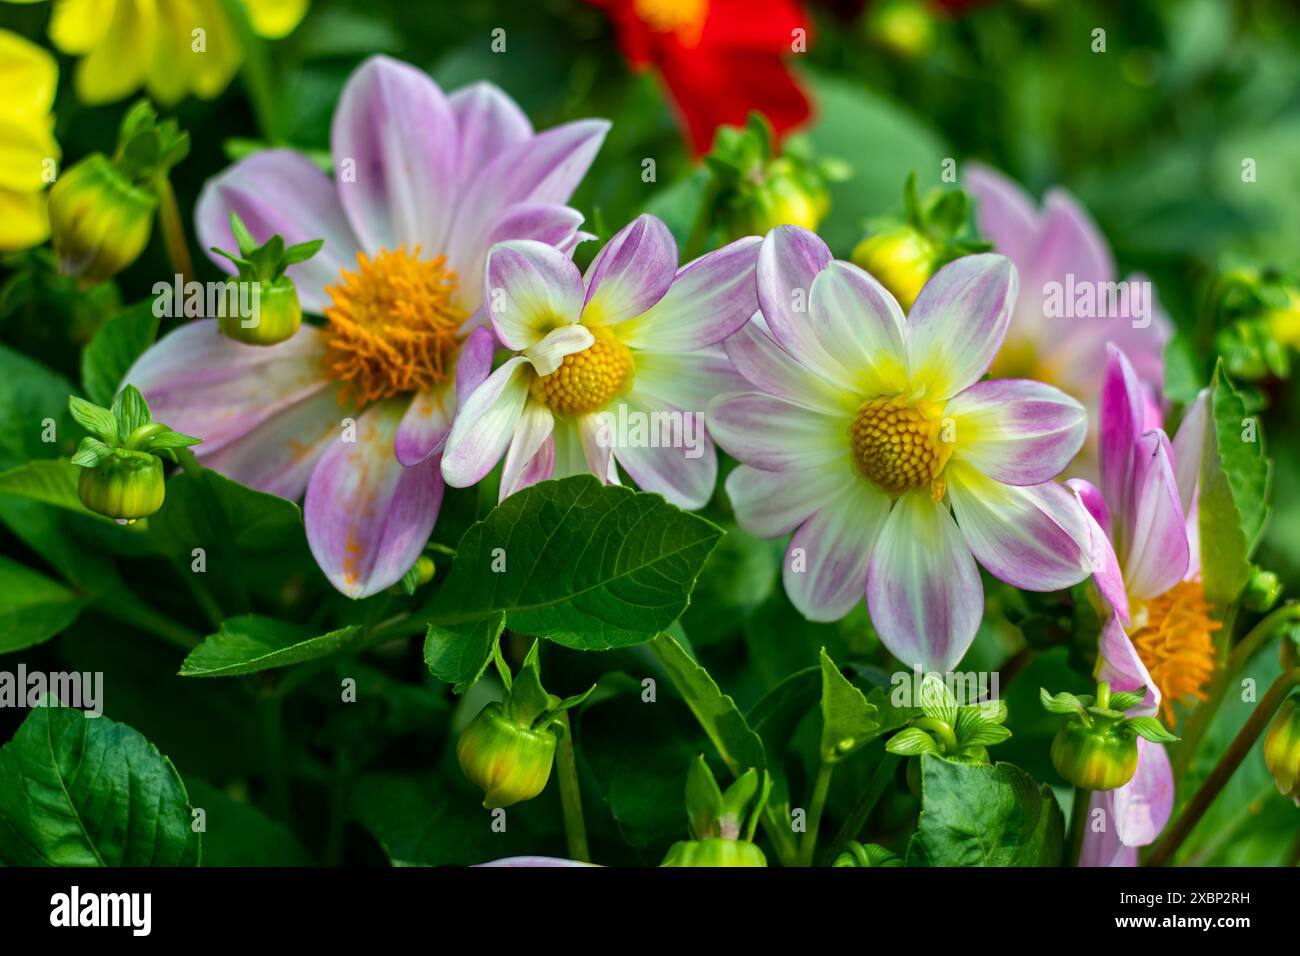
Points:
(1065, 315)
(423, 185)
(614, 366)
(873, 438)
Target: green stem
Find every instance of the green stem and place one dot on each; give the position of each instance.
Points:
(857, 818)
(821, 787)
(937, 726)
(173, 232)
(277, 776)
(1201, 718)
(138, 614)
(1225, 768)
(1078, 825)
(256, 73)
(566, 765)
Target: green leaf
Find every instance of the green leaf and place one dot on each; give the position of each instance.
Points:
(911, 741)
(1152, 730)
(52, 481)
(32, 607)
(984, 735)
(250, 643)
(981, 815)
(587, 565)
(100, 422)
(1233, 496)
(118, 343)
(34, 408)
(239, 834)
(848, 721)
(81, 791)
(937, 700)
(459, 653)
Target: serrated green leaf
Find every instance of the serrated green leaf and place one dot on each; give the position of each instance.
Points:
(459, 653)
(79, 791)
(250, 643)
(114, 349)
(33, 608)
(848, 721)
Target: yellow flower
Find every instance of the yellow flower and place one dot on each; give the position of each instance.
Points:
(28, 153)
(172, 48)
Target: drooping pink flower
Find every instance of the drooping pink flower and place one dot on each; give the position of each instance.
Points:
(614, 366)
(873, 438)
(423, 185)
(1158, 633)
(1058, 248)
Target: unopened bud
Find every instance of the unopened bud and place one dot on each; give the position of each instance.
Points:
(901, 258)
(1282, 750)
(508, 761)
(99, 221)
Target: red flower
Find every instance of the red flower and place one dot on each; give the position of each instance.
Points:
(720, 59)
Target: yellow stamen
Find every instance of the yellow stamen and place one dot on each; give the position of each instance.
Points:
(393, 325)
(683, 17)
(1172, 636)
(896, 443)
(589, 380)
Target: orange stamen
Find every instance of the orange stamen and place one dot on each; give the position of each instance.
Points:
(1175, 645)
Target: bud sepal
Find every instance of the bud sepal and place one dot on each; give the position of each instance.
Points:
(721, 823)
(1096, 749)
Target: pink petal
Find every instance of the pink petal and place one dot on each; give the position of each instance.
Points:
(488, 121)
(486, 423)
(1122, 667)
(631, 273)
(548, 223)
(531, 456)
(687, 380)
(1144, 804)
(1120, 425)
(958, 322)
(825, 570)
(530, 289)
(1103, 847)
(770, 368)
(1155, 549)
(862, 327)
(1017, 431)
(1106, 573)
(770, 504)
(789, 259)
(1005, 213)
(425, 426)
(669, 453)
(474, 364)
(768, 433)
(368, 516)
(923, 589)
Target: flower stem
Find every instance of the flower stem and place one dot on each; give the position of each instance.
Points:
(169, 220)
(857, 819)
(1078, 826)
(575, 827)
(1201, 718)
(256, 72)
(821, 787)
(1225, 768)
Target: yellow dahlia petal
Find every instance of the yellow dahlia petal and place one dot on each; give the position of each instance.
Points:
(119, 63)
(23, 221)
(77, 26)
(28, 77)
(28, 153)
(274, 19)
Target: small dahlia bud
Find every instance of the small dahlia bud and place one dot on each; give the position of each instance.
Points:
(1097, 749)
(1282, 749)
(266, 308)
(99, 221)
(126, 486)
(510, 762)
(718, 851)
(1262, 591)
(901, 258)
(788, 196)
(721, 823)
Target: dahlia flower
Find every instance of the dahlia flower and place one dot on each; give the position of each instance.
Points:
(613, 366)
(424, 185)
(873, 438)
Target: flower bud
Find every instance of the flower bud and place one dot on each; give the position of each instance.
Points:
(1282, 750)
(99, 221)
(1103, 756)
(715, 851)
(1262, 591)
(902, 258)
(276, 313)
(786, 198)
(871, 854)
(125, 485)
(509, 761)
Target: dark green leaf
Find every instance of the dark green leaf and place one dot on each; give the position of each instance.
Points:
(114, 349)
(250, 643)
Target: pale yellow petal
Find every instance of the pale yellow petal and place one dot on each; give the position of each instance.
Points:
(274, 19)
(23, 220)
(212, 70)
(119, 63)
(28, 153)
(28, 77)
(77, 26)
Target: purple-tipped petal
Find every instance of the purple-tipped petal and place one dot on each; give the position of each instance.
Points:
(280, 191)
(486, 423)
(474, 363)
(631, 273)
(1005, 213)
(825, 570)
(1122, 667)
(1035, 537)
(862, 326)
(923, 588)
(533, 861)
(666, 449)
(767, 433)
(687, 380)
(1120, 422)
(789, 259)
(1144, 804)
(958, 322)
(1106, 573)
(1189, 449)
(710, 299)
(204, 384)
(368, 516)
(395, 145)
(531, 456)
(769, 368)
(425, 425)
(530, 289)
(1068, 243)
(547, 223)
(487, 121)
(1017, 431)
(1156, 550)
(770, 504)
(1102, 845)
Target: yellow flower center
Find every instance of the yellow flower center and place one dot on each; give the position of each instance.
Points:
(588, 380)
(896, 443)
(392, 325)
(1171, 634)
(683, 17)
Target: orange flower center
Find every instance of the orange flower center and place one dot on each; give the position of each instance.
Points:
(1172, 636)
(392, 325)
(896, 443)
(683, 17)
(588, 380)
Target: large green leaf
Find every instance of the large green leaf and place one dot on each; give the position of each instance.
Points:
(32, 399)
(250, 643)
(82, 791)
(981, 815)
(32, 607)
(239, 834)
(587, 565)
(115, 347)
(848, 721)
(459, 653)
(213, 510)
(51, 480)
(1233, 495)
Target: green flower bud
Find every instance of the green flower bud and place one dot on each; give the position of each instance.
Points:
(903, 27)
(1282, 750)
(1097, 757)
(871, 854)
(509, 761)
(125, 485)
(787, 198)
(716, 851)
(901, 258)
(99, 220)
(424, 569)
(277, 313)
(1262, 591)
